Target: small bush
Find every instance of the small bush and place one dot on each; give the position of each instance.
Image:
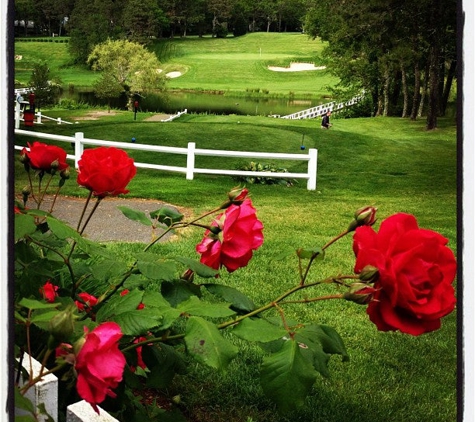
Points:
(259, 167)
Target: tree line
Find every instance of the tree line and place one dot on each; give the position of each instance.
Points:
(402, 53)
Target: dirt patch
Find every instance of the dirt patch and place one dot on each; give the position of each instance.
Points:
(108, 222)
(158, 117)
(96, 115)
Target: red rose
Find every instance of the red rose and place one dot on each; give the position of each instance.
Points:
(105, 171)
(89, 302)
(45, 157)
(416, 270)
(100, 364)
(48, 290)
(241, 234)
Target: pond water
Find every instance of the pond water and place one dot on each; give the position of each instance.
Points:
(204, 103)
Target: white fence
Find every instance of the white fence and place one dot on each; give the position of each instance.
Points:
(45, 392)
(321, 109)
(191, 152)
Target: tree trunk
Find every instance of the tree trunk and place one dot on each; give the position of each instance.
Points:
(433, 104)
(448, 86)
(386, 92)
(417, 91)
(405, 92)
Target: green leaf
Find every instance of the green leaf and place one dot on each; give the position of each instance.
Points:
(123, 310)
(158, 270)
(35, 304)
(178, 291)
(205, 343)
(194, 306)
(238, 300)
(155, 301)
(308, 253)
(108, 269)
(44, 316)
(24, 225)
(258, 330)
(328, 337)
(23, 402)
(287, 377)
(164, 362)
(197, 267)
(167, 215)
(135, 215)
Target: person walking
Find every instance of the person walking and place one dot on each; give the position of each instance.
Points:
(326, 120)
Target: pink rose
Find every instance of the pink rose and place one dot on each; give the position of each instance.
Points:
(45, 157)
(100, 364)
(416, 270)
(240, 234)
(48, 290)
(105, 171)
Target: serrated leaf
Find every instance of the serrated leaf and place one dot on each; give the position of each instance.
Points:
(107, 269)
(24, 225)
(137, 322)
(161, 306)
(287, 377)
(328, 337)
(194, 306)
(35, 304)
(258, 330)
(123, 310)
(237, 299)
(158, 270)
(167, 215)
(178, 291)
(135, 215)
(197, 267)
(164, 362)
(205, 343)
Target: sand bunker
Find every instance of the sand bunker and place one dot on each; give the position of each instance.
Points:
(173, 74)
(296, 67)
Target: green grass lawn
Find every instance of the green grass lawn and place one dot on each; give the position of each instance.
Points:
(234, 65)
(391, 163)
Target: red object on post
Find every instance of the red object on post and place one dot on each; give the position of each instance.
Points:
(28, 117)
(31, 99)
(136, 105)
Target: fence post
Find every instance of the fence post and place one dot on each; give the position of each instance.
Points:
(17, 114)
(190, 161)
(38, 117)
(43, 392)
(78, 147)
(312, 169)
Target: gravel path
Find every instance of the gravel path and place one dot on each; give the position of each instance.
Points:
(108, 223)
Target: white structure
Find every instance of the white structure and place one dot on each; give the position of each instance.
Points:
(191, 152)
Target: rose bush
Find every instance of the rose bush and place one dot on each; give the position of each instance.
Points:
(110, 327)
(416, 270)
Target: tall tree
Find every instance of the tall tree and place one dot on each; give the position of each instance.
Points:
(142, 20)
(129, 65)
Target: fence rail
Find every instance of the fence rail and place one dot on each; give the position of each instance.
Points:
(191, 152)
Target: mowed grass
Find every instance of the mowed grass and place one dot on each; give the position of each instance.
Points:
(391, 163)
(232, 65)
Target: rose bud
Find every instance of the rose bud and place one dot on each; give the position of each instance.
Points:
(236, 196)
(61, 325)
(369, 274)
(359, 293)
(365, 216)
